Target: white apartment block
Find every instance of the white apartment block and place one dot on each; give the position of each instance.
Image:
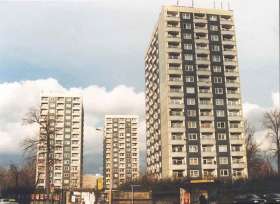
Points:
(194, 114)
(121, 150)
(61, 118)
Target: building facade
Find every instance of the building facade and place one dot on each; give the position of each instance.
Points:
(60, 147)
(194, 121)
(121, 150)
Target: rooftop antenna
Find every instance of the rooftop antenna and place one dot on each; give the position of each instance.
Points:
(214, 3)
(221, 4)
(192, 3)
(228, 4)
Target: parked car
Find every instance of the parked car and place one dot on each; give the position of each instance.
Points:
(8, 201)
(248, 199)
(272, 198)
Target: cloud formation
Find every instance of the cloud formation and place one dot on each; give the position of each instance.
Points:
(104, 41)
(254, 114)
(18, 97)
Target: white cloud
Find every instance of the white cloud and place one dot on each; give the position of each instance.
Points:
(18, 97)
(254, 114)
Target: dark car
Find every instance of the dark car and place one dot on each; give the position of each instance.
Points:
(249, 199)
(272, 198)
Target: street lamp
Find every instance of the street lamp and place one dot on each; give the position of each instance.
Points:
(132, 192)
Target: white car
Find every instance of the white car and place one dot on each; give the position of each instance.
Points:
(8, 201)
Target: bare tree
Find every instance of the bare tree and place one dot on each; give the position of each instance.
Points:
(252, 150)
(44, 142)
(271, 121)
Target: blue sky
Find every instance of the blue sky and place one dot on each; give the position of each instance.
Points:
(102, 43)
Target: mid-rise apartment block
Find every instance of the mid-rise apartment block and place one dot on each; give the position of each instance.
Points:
(60, 148)
(194, 117)
(121, 150)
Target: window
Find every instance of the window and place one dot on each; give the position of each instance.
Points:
(217, 68)
(191, 113)
(190, 90)
(191, 124)
(176, 136)
(192, 136)
(187, 26)
(218, 90)
(213, 18)
(223, 160)
(188, 46)
(214, 28)
(221, 125)
(216, 48)
(216, 58)
(194, 173)
(214, 37)
(208, 160)
(219, 102)
(222, 148)
(220, 113)
(189, 79)
(224, 172)
(189, 67)
(218, 80)
(193, 148)
(194, 161)
(190, 101)
(236, 148)
(222, 136)
(237, 172)
(189, 57)
(186, 16)
(187, 36)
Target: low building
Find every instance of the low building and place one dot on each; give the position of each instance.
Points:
(91, 181)
(120, 197)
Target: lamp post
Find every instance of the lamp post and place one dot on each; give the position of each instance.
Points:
(111, 170)
(132, 192)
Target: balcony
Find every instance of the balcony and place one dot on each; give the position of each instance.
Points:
(203, 71)
(228, 51)
(228, 42)
(227, 31)
(207, 140)
(200, 29)
(207, 129)
(230, 62)
(234, 106)
(231, 83)
(179, 154)
(201, 40)
(202, 60)
(233, 94)
(172, 17)
(209, 166)
(232, 71)
(205, 94)
(209, 117)
(237, 153)
(204, 83)
(202, 50)
(208, 154)
(205, 106)
(238, 165)
(174, 26)
(226, 21)
(238, 141)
